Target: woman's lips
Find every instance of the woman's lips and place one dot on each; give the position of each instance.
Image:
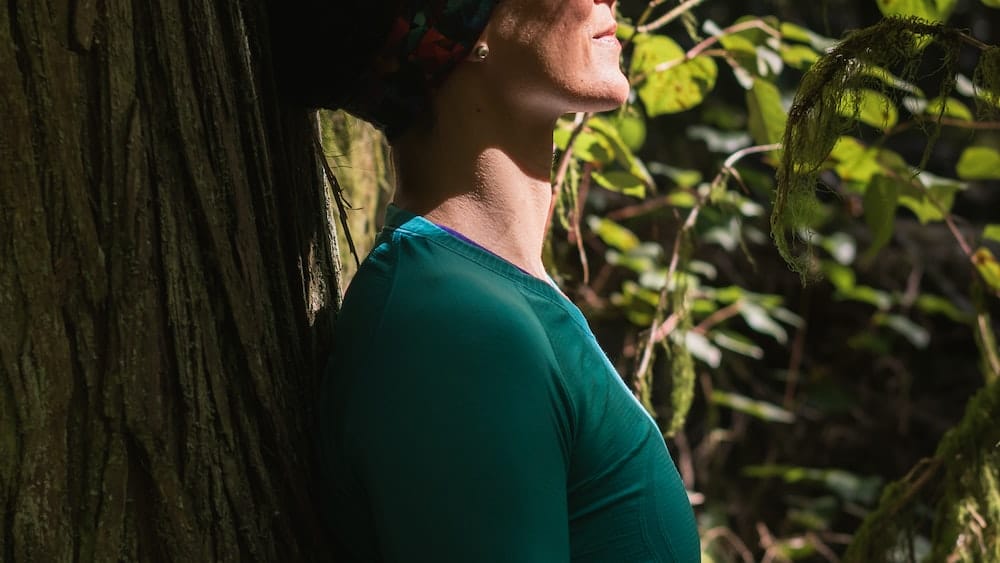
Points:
(608, 37)
(608, 31)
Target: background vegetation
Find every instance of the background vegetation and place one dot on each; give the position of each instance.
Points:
(167, 275)
(766, 144)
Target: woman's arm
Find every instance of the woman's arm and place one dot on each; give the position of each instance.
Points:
(462, 442)
(467, 458)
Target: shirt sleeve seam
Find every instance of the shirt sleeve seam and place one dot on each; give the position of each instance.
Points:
(561, 378)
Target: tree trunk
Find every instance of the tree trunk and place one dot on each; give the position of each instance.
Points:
(166, 287)
(359, 155)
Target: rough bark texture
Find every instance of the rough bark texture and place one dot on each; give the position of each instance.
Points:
(165, 287)
(359, 155)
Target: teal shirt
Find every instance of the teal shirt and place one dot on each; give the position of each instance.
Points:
(469, 415)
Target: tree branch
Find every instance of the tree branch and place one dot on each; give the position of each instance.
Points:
(670, 16)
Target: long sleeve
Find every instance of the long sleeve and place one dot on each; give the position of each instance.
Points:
(470, 464)
(461, 437)
(469, 415)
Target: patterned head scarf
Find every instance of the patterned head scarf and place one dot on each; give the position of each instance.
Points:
(427, 39)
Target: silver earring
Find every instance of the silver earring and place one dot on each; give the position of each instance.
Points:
(481, 52)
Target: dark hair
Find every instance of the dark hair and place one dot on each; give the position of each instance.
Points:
(320, 48)
(344, 57)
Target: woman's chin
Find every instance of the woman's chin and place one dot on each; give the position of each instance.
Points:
(609, 95)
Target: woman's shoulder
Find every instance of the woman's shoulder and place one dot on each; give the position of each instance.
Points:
(412, 284)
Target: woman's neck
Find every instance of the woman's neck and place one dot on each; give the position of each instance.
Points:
(484, 175)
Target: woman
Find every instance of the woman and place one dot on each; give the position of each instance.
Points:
(468, 413)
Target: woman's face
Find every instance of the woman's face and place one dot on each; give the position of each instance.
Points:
(555, 56)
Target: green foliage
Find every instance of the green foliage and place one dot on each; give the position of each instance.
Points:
(767, 117)
(845, 484)
(988, 267)
(813, 150)
(669, 82)
(930, 10)
(948, 107)
(966, 496)
(829, 95)
(979, 163)
(881, 198)
(758, 409)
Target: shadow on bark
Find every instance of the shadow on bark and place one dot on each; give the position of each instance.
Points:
(167, 286)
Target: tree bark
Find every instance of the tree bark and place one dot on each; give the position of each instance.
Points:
(166, 287)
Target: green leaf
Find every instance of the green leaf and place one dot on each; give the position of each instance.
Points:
(702, 349)
(621, 182)
(842, 277)
(856, 162)
(841, 246)
(758, 320)
(756, 35)
(727, 235)
(684, 178)
(681, 86)
(865, 294)
(758, 409)
(681, 198)
(793, 32)
(767, 116)
(613, 234)
(738, 44)
(992, 232)
(560, 136)
(591, 147)
(784, 315)
(870, 107)
(622, 154)
(641, 294)
(948, 107)
(769, 62)
(929, 197)
(814, 520)
(992, 3)
(798, 56)
(654, 278)
(937, 305)
(916, 334)
(880, 202)
(730, 294)
(847, 485)
(931, 10)
(889, 79)
(988, 267)
(735, 342)
(636, 170)
(631, 127)
(635, 303)
(703, 269)
(979, 163)
(747, 49)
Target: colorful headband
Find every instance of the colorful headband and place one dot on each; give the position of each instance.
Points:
(427, 39)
